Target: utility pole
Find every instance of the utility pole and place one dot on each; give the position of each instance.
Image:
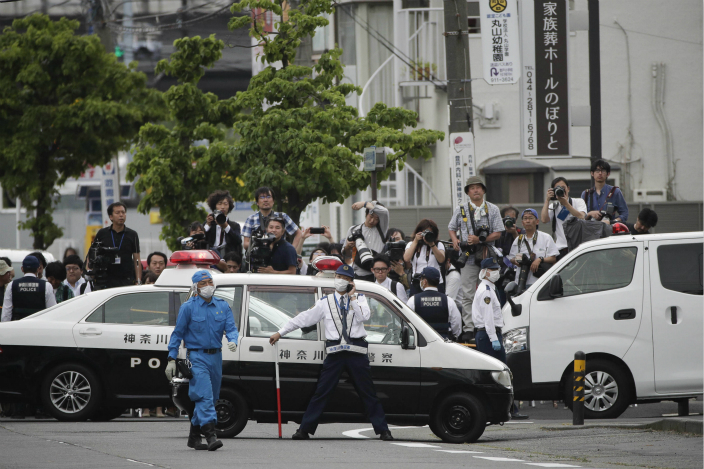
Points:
(98, 25)
(128, 34)
(594, 81)
(459, 86)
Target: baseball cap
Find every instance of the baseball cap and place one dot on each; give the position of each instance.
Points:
(30, 263)
(431, 273)
(531, 211)
(201, 275)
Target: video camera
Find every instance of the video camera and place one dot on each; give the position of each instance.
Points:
(197, 241)
(260, 250)
(100, 258)
(364, 257)
(394, 250)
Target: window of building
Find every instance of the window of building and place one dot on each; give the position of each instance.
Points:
(515, 188)
(680, 267)
(321, 41)
(473, 18)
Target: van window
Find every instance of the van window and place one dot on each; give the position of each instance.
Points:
(270, 308)
(595, 271)
(384, 325)
(232, 295)
(134, 308)
(680, 267)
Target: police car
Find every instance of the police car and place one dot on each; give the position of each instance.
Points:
(97, 354)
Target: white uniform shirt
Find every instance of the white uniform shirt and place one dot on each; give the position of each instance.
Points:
(419, 263)
(560, 240)
(49, 297)
(454, 317)
(544, 247)
(400, 289)
(453, 285)
(77, 289)
(486, 309)
(321, 310)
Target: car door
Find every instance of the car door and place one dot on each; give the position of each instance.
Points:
(395, 371)
(127, 338)
(300, 352)
(677, 307)
(600, 310)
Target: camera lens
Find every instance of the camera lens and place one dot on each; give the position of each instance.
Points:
(559, 192)
(429, 236)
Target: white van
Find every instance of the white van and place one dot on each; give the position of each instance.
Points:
(16, 256)
(633, 304)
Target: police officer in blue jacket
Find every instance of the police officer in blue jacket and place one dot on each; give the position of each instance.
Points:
(201, 322)
(344, 313)
(435, 307)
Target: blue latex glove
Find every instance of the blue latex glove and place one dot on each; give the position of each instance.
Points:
(496, 345)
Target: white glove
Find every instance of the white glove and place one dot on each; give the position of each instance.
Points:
(170, 369)
(232, 346)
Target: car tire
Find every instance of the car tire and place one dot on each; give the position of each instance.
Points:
(607, 390)
(459, 418)
(71, 392)
(105, 414)
(233, 413)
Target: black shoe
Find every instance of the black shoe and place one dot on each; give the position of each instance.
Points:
(194, 439)
(386, 436)
(517, 416)
(299, 435)
(210, 437)
(467, 337)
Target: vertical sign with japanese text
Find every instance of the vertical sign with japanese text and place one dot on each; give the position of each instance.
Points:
(461, 164)
(545, 87)
(109, 189)
(500, 38)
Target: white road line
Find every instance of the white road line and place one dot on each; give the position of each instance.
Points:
(357, 433)
(459, 452)
(549, 464)
(416, 445)
(490, 458)
(140, 462)
(517, 422)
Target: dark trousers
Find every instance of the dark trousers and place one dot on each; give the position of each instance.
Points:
(484, 345)
(357, 366)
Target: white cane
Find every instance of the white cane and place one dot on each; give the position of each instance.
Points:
(278, 384)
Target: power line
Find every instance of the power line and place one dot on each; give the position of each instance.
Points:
(162, 14)
(652, 35)
(164, 27)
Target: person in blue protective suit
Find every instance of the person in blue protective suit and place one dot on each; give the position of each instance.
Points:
(201, 322)
(344, 313)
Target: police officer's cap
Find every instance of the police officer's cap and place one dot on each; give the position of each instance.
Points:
(474, 180)
(346, 270)
(430, 273)
(201, 275)
(30, 263)
(489, 263)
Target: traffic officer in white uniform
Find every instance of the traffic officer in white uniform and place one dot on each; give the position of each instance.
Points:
(344, 312)
(487, 317)
(436, 308)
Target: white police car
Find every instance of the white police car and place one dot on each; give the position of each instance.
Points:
(93, 356)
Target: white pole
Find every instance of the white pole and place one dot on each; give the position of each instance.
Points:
(17, 223)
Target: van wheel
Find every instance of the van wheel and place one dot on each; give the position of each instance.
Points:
(460, 418)
(71, 392)
(233, 413)
(607, 392)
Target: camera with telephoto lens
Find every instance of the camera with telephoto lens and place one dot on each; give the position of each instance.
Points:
(100, 258)
(260, 251)
(608, 212)
(394, 250)
(197, 241)
(364, 257)
(559, 192)
(219, 217)
(429, 237)
(509, 222)
(482, 233)
(524, 266)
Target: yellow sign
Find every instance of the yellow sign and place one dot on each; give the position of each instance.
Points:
(155, 218)
(497, 5)
(91, 231)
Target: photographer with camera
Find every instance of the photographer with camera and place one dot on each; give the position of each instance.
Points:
(558, 208)
(439, 311)
(647, 218)
(367, 238)
(418, 253)
(283, 258)
(221, 234)
(509, 215)
(604, 202)
(114, 255)
(255, 223)
(310, 231)
(380, 268)
(394, 249)
(534, 251)
(478, 223)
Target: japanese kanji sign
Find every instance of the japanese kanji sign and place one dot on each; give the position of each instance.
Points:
(109, 189)
(461, 164)
(544, 88)
(500, 51)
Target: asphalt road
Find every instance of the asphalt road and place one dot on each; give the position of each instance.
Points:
(546, 440)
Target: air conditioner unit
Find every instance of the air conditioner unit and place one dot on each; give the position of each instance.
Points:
(650, 195)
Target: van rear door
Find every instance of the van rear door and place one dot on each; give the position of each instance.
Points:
(600, 311)
(677, 309)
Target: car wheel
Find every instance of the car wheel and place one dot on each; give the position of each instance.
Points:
(607, 392)
(71, 392)
(233, 413)
(460, 418)
(105, 414)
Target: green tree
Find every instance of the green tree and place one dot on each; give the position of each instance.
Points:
(174, 173)
(301, 138)
(65, 104)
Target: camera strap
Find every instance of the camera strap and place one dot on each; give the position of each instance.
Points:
(471, 219)
(589, 193)
(121, 240)
(525, 241)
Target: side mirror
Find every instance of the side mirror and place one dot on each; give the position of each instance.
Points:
(555, 287)
(510, 291)
(406, 338)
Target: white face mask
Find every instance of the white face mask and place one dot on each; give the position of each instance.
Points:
(423, 287)
(341, 284)
(207, 291)
(494, 276)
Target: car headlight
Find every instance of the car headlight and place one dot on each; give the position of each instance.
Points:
(516, 340)
(502, 377)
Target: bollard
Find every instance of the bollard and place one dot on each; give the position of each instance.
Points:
(578, 389)
(683, 407)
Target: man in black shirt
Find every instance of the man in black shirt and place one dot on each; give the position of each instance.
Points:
(126, 268)
(284, 259)
(647, 218)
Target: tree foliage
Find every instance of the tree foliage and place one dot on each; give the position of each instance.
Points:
(65, 104)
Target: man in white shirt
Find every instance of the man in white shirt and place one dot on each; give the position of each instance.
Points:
(380, 269)
(537, 245)
(74, 276)
(560, 210)
(344, 313)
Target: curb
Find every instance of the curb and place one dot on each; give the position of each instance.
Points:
(679, 425)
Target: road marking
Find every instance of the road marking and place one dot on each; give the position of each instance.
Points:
(357, 433)
(491, 458)
(459, 452)
(416, 445)
(549, 464)
(140, 462)
(515, 422)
